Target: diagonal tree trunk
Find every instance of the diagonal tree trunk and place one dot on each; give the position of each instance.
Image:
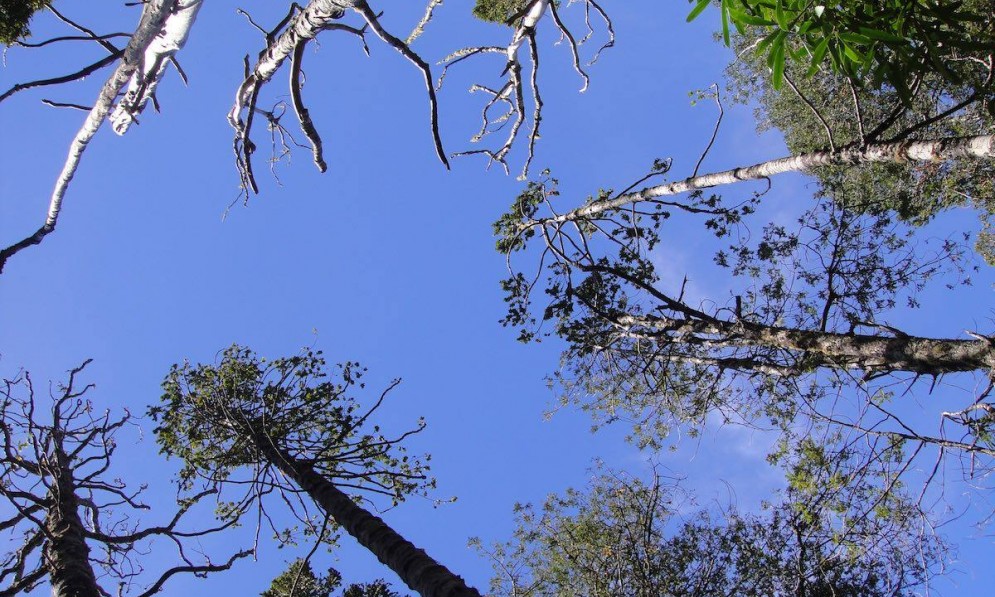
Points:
(154, 16)
(144, 81)
(982, 146)
(416, 568)
(868, 352)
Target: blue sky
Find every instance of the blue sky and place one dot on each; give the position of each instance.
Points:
(386, 259)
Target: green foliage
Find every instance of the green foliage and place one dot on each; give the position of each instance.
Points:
(879, 42)
(377, 588)
(509, 228)
(213, 417)
(622, 537)
(299, 580)
(15, 16)
(499, 11)
(825, 101)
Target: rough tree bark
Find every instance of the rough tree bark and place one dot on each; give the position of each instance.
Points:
(416, 568)
(66, 553)
(926, 356)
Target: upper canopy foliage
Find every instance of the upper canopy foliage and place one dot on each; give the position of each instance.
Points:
(209, 415)
(825, 109)
(299, 580)
(623, 537)
(15, 16)
(498, 11)
(768, 349)
(878, 42)
(786, 340)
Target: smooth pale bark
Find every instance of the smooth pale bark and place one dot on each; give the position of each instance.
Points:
(926, 356)
(67, 556)
(306, 25)
(526, 28)
(982, 146)
(416, 568)
(143, 82)
(153, 18)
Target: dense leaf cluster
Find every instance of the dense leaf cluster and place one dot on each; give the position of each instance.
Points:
(300, 580)
(824, 109)
(211, 417)
(499, 11)
(879, 42)
(15, 15)
(625, 537)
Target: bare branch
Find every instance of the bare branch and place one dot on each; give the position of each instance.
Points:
(420, 27)
(524, 24)
(153, 18)
(982, 146)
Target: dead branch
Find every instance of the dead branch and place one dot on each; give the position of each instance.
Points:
(511, 93)
(154, 16)
(287, 40)
(53, 473)
(425, 20)
(157, 56)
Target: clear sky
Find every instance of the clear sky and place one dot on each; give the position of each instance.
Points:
(387, 258)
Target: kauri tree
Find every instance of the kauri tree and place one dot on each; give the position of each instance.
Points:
(284, 428)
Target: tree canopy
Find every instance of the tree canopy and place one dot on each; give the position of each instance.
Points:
(885, 42)
(811, 336)
(299, 580)
(283, 427)
(625, 536)
(15, 16)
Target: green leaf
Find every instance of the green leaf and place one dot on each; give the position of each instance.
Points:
(880, 35)
(725, 23)
(851, 53)
(766, 42)
(777, 64)
(697, 10)
(819, 54)
(745, 18)
(782, 18)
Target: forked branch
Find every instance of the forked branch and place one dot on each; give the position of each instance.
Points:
(154, 16)
(511, 93)
(287, 40)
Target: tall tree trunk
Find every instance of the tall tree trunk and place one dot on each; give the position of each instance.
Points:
(416, 568)
(67, 556)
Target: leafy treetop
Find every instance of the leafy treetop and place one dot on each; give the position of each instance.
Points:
(499, 11)
(299, 580)
(209, 413)
(623, 537)
(15, 16)
(881, 42)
